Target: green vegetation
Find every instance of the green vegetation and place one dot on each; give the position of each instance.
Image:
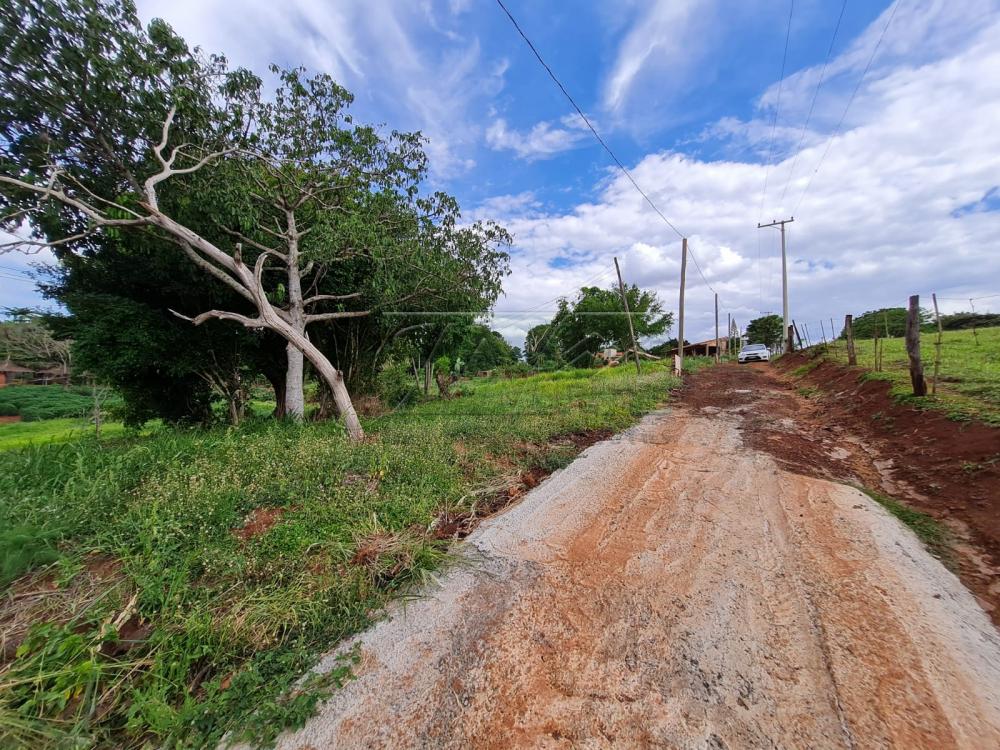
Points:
(200, 572)
(767, 330)
(934, 536)
(37, 402)
(969, 381)
(595, 319)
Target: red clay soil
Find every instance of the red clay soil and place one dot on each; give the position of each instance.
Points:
(259, 522)
(10, 419)
(855, 432)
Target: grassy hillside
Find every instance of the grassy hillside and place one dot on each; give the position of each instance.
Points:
(184, 580)
(969, 381)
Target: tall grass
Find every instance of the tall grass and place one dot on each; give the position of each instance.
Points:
(229, 618)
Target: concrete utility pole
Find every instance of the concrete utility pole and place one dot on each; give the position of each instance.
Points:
(784, 270)
(680, 312)
(717, 328)
(631, 330)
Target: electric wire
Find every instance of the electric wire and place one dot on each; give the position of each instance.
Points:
(812, 104)
(600, 140)
(850, 101)
(770, 151)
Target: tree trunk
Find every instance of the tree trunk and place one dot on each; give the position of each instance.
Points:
(428, 373)
(278, 386)
(852, 357)
(913, 347)
(295, 399)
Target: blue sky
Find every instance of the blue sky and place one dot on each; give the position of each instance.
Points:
(685, 93)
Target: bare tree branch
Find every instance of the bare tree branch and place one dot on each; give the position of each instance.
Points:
(337, 315)
(222, 315)
(330, 297)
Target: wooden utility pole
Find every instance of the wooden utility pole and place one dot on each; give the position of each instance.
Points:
(680, 311)
(631, 328)
(729, 335)
(784, 271)
(716, 328)
(937, 345)
(913, 347)
(852, 357)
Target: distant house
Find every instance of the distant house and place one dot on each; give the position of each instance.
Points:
(15, 374)
(11, 373)
(706, 348)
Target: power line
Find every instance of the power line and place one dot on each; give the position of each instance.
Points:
(812, 105)
(777, 107)
(597, 135)
(770, 149)
(585, 119)
(850, 101)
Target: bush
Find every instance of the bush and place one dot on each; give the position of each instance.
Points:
(7, 409)
(395, 385)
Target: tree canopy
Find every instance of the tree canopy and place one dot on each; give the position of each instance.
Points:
(767, 330)
(595, 319)
(304, 215)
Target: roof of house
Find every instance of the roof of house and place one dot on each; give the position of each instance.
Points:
(9, 366)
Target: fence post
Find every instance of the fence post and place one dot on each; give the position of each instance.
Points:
(798, 336)
(791, 338)
(852, 356)
(913, 347)
(680, 310)
(937, 345)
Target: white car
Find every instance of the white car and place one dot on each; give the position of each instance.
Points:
(754, 353)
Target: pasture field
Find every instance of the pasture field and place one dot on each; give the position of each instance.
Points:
(969, 379)
(170, 588)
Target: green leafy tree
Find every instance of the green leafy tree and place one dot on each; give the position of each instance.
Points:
(109, 127)
(542, 347)
(767, 330)
(875, 322)
(596, 319)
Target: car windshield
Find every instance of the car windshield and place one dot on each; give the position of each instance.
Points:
(754, 347)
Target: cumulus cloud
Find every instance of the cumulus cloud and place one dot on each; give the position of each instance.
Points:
(543, 141)
(902, 204)
(414, 64)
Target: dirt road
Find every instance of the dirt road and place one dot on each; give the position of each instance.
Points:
(676, 587)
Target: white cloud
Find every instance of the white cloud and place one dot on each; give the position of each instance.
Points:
(881, 220)
(543, 141)
(414, 64)
(660, 41)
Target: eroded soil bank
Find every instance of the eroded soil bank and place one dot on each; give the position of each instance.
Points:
(678, 587)
(854, 431)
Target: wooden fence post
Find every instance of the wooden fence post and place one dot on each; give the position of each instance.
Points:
(937, 346)
(913, 347)
(852, 356)
(791, 338)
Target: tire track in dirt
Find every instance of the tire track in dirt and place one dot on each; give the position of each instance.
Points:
(676, 588)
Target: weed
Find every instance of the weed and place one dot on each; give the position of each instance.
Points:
(808, 391)
(242, 553)
(805, 369)
(935, 537)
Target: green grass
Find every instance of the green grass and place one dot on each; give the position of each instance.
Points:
(21, 434)
(969, 380)
(234, 622)
(933, 534)
(39, 402)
